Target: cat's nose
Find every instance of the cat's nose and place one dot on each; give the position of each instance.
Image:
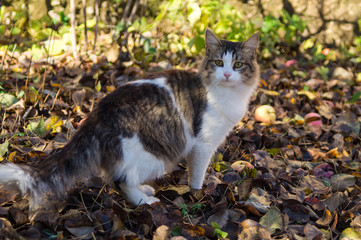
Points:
(227, 75)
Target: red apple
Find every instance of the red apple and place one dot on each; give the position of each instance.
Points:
(313, 119)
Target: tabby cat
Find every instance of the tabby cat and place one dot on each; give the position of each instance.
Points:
(145, 127)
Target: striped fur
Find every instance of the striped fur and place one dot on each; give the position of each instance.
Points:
(145, 127)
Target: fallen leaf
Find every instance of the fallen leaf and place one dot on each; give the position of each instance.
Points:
(3, 149)
(220, 217)
(351, 233)
(272, 220)
(340, 182)
(334, 201)
(307, 93)
(163, 232)
(82, 232)
(191, 232)
(6, 100)
(347, 123)
(313, 232)
(252, 230)
(326, 219)
(323, 170)
(54, 123)
(36, 128)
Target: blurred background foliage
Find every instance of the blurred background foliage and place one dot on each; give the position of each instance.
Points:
(151, 31)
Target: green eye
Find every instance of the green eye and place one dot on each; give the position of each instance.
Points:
(238, 65)
(219, 63)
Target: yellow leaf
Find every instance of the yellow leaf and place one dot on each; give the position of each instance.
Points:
(345, 153)
(110, 88)
(77, 109)
(308, 94)
(269, 92)
(17, 69)
(12, 156)
(56, 85)
(54, 124)
(98, 87)
(334, 153)
(262, 83)
(299, 119)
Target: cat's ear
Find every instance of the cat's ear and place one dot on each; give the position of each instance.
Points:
(251, 44)
(212, 42)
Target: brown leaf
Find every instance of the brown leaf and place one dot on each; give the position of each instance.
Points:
(252, 230)
(220, 217)
(6, 230)
(325, 111)
(334, 201)
(78, 97)
(326, 219)
(158, 213)
(191, 232)
(244, 189)
(162, 233)
(6, 196)
(313, 232)
(340, 182)
(19, 217)
(347, 123)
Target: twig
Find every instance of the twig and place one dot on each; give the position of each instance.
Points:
(56, 96)
(95, 200)
(134, 11)
(87, 213)
(126, 10)
(27, 80)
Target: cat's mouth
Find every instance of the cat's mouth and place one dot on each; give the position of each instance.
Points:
(229, 82)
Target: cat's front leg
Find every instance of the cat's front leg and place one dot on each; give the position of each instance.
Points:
(198, 161)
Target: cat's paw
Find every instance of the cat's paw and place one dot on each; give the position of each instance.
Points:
(150, 200)
(147, 190)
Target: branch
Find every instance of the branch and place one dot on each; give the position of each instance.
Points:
(73, 25)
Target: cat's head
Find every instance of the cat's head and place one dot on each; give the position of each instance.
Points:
(230, 64)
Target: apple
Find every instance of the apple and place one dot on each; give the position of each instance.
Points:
(265, 114)
(240, 165)
(313, 119)
(325, 51)
(313, 123)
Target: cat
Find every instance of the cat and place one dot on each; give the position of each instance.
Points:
(145, 127)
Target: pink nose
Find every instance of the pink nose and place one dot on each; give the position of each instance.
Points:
(227, 75)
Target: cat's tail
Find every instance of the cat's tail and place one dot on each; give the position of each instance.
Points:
(78, 160)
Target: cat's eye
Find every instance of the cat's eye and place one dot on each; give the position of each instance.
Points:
(238, 65)
(219, 63)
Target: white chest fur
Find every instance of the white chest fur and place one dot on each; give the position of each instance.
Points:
(226, 107)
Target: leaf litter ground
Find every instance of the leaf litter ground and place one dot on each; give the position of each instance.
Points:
(293, 179)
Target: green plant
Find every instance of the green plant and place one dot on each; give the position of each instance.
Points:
(323, 71)
(293, 26)
(189, 212)
(218, 231)
(355, 97)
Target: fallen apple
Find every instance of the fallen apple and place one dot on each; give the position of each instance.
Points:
(240, 165)
(265, 114)
(313, 123)
(313, 119)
